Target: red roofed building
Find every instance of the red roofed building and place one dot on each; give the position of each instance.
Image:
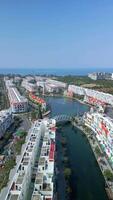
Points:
(38, 100)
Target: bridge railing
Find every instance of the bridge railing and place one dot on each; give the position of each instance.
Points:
(59, 118)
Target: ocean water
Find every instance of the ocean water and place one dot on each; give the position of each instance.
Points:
(53, 71)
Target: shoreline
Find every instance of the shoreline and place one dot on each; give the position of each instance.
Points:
(108, 189)
(72, 98)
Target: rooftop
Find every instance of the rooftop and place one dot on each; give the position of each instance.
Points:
(14, 197)
(36, 197)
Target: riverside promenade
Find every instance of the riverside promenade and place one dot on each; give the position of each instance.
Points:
(101, 160)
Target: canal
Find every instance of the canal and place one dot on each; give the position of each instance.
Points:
(87, 181)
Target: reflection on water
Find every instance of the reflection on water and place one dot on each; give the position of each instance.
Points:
(87, 180)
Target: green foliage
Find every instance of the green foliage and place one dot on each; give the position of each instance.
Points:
(67, 173)
(33, 115)
(32, 81)
(101, 85)
(108, 174)
(4, 172)
(4, 101)
(65, 160)
(68, 189)
(63, 141)
(18, 145)
(97, 151)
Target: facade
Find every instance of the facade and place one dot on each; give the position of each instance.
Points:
(30, 87)
(54, 86)
(6, 119)
(18, 103)
(44, 184)
(100, 76)
(68, 94)
(102, 126)
(51, 86)
(42, 130)
(94, 101)
(38, 100)
(92, 96)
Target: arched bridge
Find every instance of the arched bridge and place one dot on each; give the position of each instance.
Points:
(63, 118)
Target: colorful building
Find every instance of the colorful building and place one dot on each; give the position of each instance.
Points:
(44, 181)
(41, 137)
(38, 100)
(102, 126)
(94, 101)
(18, 102)
(92, 96)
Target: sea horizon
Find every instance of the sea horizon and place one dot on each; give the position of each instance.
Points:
(54, 71)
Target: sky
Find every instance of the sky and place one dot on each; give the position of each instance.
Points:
(56, 33)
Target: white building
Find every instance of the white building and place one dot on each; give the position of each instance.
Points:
(52, 88)
(59, 84)
(44, 184)
(51, 85)
(30, 87)
(18, 103)
(102, 126)
(101, 96)
(9, 83)
(19, 187)
(100, 76)
(54, 85)
(6, 119)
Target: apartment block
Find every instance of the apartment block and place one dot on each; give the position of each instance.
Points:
(6, 119)
(41, 138)
(18, 103)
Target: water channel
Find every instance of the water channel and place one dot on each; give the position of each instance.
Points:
(87, 180)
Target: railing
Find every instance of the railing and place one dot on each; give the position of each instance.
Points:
(63, 118)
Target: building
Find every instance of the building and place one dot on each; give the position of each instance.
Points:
(9, 83)
(29, 78)
(17, 79)
(68, 94)
(18, 103)
(51, 85)
(44, 181)
(92, 96)
(38, 100)
(100, 76)
(76, 90)
(42, 130)
(102, 126)
(54, 86)
(30, 87)
(6, 119)
(94, 101)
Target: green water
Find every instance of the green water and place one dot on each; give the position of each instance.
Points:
(87, 180)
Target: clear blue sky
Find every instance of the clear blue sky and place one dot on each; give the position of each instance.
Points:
(56, 33)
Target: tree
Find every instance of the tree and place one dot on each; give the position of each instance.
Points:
(67, 173)
(33, 115)
(63, 141)
(108, 174)
(97, 151)
(65, 160)
(40, 113)
(68, 189)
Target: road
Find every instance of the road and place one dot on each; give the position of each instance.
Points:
(26, 123)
